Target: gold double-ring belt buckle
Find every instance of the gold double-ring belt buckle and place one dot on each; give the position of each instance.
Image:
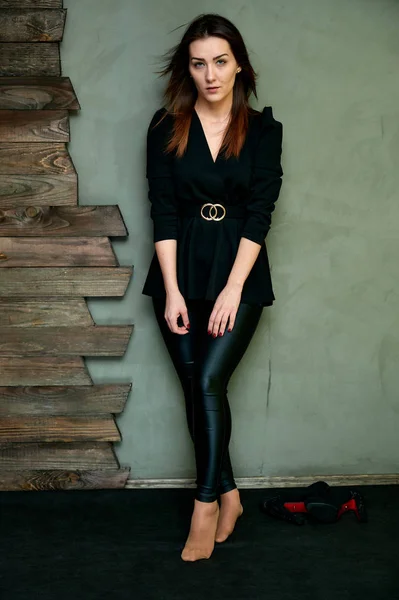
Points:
(213, 212)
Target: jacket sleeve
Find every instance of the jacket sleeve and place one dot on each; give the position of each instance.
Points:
(265, 178)
(161, 192)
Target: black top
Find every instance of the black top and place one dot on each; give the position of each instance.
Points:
(206, 249)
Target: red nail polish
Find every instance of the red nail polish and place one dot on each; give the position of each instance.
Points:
(214, 335)
(188, 326)
(229, 330)
(220, 334)
(209, 332)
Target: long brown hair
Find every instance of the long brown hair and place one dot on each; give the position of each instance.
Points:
(180, 94)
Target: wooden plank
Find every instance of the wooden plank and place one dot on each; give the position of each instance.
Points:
(59, 429)
(32, 25)
(30, 4)
(63, 221)
(63, 400)
(341, 479)
(63, 480)
(61, 252)
(37, 158)
(34, 126)
(105, 340)
(44, 370)
(18, 191)
(58, 455)
(24, 60)
(273, 482)
(65, 281)
(44, 312)
(37, 93)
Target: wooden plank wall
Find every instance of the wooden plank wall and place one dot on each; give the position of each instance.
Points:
(57, 428)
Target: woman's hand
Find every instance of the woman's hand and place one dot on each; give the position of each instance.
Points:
(176, 306)
(225, 309)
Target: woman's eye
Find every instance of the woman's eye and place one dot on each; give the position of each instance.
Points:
(219, 61)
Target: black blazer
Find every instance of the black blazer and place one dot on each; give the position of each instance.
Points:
(178, 187)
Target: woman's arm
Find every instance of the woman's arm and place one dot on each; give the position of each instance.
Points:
(175, 305)
(161, 194)
(247, 254)
(265, 189)
(265, 178)
(166, 253)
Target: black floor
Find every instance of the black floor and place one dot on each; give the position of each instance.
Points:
(126, 544)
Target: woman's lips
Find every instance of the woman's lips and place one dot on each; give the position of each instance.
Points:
(212, 89)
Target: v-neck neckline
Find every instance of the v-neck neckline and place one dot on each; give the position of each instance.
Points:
(206, 141)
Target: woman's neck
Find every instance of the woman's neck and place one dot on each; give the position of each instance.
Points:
(211, 111)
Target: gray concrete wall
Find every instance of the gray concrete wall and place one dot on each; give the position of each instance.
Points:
(329, 348)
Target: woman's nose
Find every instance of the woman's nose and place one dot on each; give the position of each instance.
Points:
(210, 75)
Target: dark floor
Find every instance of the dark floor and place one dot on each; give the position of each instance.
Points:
(126, 544)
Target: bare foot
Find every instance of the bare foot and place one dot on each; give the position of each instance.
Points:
(230, 510)
(201, 539)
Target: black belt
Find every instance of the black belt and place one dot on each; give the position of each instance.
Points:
(213, 212)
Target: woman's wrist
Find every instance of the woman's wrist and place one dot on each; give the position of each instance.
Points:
(172, 289)
(235, 284)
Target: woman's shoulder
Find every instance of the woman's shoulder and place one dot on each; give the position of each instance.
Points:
(264, 118)
(160, 120)
(160, 112)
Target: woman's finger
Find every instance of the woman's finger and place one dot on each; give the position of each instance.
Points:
(173, 326)
(185, 319)
(211, 322)
(170, 324)
(216, 323)
(223, 323)
(232, 320)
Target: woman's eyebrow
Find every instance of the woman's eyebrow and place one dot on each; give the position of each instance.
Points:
(195, 58)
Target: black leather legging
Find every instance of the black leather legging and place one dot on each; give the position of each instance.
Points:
(204, 366)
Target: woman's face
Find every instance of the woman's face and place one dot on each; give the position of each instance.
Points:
(212, 65)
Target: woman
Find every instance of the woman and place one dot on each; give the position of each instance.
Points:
(214, 174)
